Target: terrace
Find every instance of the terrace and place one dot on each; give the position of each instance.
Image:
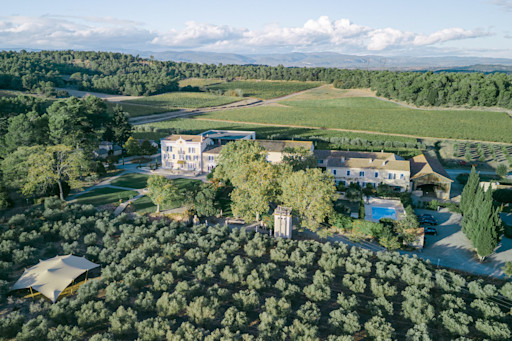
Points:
(376, 208)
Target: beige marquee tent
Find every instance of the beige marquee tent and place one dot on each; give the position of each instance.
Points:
(50, 277)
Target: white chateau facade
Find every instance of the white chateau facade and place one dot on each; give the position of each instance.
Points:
(199, 153)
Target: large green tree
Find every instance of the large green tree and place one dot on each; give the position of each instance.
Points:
(25, 130)
(161, 190)
(310, 193)
(299, 158)
(256, 186)
(118, 128)
(236, 156)
(15, 168)
(78, 123)
(56, 165)
(204, 200)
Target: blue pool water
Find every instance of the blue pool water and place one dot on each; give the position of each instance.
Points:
(383, 212)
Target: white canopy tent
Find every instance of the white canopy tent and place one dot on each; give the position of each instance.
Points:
(50, 277)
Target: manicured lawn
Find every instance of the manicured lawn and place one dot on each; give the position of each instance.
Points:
(186, 184)
(145, 205)
(131, 180)
(105, 195)
(266, 89)
(365, 113)
(174, 100)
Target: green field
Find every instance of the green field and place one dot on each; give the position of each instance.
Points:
(174, 100)
(104, 196)
(199, 82)
(266, 89)
(132, 180)
(365, 113)
(137, 110)
(196, 126)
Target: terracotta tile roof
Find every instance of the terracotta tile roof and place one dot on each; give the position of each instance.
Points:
(213, 150)
(374, 160)
(422, 165)
(188, 138)
(324, 154)
(365, 163)
(279, 146)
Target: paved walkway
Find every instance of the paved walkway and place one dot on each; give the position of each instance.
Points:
(123, 205)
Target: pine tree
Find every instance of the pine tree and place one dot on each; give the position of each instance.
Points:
(469, 192)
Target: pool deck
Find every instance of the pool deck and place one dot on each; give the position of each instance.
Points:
(385, 203)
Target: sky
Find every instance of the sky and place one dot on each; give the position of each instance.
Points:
(480, 28)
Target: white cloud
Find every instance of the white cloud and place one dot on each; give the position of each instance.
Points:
(195, 34)
(322, 34)
(448, 34)
(505, 4)
(56, 32)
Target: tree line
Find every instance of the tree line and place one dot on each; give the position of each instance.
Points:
(132, 75)
(50, 148)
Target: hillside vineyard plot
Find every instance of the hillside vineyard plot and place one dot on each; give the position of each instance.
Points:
(162, 280)
(375, 115)
(265, 89)
(195, 126)
(175, 100)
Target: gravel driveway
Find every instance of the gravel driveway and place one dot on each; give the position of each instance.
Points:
(451, 248)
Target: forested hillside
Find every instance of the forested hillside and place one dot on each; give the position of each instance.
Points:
(162, 280)
(130, 75)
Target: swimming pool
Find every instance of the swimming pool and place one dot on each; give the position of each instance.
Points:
(383, 212)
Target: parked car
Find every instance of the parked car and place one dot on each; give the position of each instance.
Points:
(427, 221)
(426, 215)
(430, 230)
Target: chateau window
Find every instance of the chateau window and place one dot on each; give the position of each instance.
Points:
(361, 173)
(376, 174)
(334, 171)
(348, 173)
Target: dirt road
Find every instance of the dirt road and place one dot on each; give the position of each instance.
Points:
(250, 102)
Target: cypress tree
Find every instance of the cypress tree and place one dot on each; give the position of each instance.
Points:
(482, 224)
(469, 192)
(472, 216)
(488, 236)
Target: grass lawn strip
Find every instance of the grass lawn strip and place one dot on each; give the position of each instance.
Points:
(105, 195)
(131, 180)
(145, 205)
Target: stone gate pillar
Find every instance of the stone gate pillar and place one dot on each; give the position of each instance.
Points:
(283, 222)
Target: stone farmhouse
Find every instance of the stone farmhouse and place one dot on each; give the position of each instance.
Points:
(425, 175)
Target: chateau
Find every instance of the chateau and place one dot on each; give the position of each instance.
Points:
(199, 153)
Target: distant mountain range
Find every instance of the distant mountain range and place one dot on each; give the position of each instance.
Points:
(333, 59)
